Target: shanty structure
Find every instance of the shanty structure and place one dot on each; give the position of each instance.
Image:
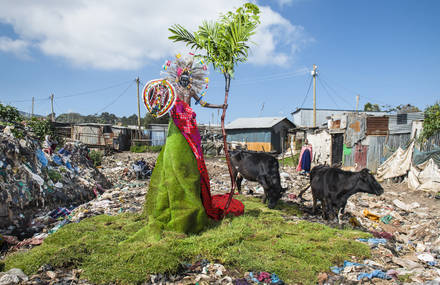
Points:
(303, 117)
(104, 135)
(260, 134)
(360, 140)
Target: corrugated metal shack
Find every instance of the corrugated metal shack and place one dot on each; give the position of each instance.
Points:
(104, 135)
(303, 117)
(370, 140)
(157, 133)
(260, 134)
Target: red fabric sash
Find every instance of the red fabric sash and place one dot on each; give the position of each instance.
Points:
(185, 119)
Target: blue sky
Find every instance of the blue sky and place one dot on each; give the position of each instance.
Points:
(386, 51)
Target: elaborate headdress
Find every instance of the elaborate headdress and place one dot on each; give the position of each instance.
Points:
(186, 74)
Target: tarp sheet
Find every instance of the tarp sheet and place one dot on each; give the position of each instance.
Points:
(397, 164)
(425, 176)
(420, 157)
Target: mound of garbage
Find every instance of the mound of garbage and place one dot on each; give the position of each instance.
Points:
(33, 181)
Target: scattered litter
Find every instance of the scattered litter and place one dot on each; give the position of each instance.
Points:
(404, 206)
(370, 215)
(373, 241)
(374, 274)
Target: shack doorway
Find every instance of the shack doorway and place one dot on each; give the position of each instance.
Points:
(337, 148)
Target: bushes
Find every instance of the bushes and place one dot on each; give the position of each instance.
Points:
(145, 148)
(96, 157)
(431, 124)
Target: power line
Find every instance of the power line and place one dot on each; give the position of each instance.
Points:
(279, 76)
(73, 94)
(336, 93)
(94, 90)
(328, 93)
(357, 93)
(307, 94)
(116, 99)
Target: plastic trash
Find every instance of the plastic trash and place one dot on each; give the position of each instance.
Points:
(41, 157)
(426, 257)
(57, 159)
(371, 216)
(374, 274)
(386, 219)
(338, 270)
(373, 241)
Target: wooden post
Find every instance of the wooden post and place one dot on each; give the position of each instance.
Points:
(33, 103)
(51, 103)
(139, 107)
(357, 102)
(314, 95)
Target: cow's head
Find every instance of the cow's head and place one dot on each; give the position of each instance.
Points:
(275, 190)
(368, 184)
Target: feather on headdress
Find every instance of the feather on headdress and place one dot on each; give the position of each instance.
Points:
(186, 74)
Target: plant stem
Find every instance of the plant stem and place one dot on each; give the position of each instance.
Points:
(225, 144)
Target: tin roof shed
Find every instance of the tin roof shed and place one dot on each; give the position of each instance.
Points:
(260, 134)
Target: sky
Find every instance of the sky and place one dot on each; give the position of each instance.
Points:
(89, 52)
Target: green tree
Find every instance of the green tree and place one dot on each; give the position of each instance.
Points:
(371, 107)
(408, 108)
(224, 43)
(149, 119)
(10, 114)
(431, 123)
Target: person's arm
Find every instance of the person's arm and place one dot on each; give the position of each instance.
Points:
(206, 104)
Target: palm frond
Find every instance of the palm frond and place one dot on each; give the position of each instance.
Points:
(180, 34)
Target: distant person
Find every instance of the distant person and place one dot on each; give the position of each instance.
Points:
(305, 158)
(49, 145)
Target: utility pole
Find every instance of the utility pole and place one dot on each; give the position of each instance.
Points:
(139, 107)
(357, 102)
(51, 103)
(314, 94)
(33, 103)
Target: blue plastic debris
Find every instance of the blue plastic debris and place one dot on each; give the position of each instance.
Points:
(69, 166)
(41, 157)
(338, 270)
(57, 159)
(374, 274)
(373, 241)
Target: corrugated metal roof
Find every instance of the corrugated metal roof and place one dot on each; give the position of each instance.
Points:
(255, 123)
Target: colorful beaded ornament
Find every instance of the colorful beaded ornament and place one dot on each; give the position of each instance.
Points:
(159, 96)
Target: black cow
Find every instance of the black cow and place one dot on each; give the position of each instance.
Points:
(260, 167)
(333, 186)
(312, 174)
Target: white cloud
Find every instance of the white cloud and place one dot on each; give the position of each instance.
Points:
(129, 34)
(17, 47)
(284, 2)
(278, 40)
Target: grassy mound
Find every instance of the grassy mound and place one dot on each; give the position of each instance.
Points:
(260, 240)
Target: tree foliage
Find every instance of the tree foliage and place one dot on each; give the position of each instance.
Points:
(369, 107)
(9, 114)
(431, 123)
(225, 42)
(408, 108)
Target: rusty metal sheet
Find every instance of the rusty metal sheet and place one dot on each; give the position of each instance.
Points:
(360, 156)
(377, 125)
(355, 131)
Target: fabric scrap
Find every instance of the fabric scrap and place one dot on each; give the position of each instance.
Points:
(374, 274)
